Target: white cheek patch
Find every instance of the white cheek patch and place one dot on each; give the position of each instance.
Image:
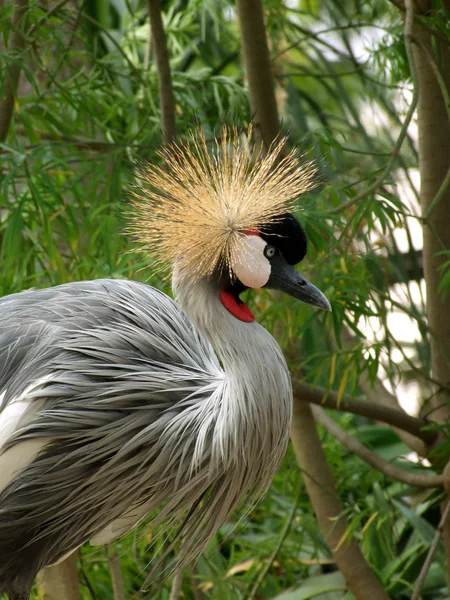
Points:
(251, 267)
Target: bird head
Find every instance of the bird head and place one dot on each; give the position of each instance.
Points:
(224, 213)
(268, 261)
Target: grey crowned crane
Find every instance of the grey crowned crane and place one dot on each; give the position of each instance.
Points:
(113, 402)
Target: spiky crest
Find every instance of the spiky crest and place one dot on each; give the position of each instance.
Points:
(197, 207)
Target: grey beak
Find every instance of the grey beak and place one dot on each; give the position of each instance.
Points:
(287, 279)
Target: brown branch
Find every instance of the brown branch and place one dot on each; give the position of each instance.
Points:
(116, 574)
(446, 98)
(195, 589)
(434, 157)
(177, 584)
(390, 164)
(12, 72)
(378, 412)
(361, 581)
(165, 88)
(60, 580)
(353, 445)
(376, 392)
(431, 552)
(258, 68)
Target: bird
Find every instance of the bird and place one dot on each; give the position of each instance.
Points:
(118, 401)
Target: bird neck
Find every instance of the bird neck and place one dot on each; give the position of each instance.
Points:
(252, 360)
(252, 404)
(237, 343)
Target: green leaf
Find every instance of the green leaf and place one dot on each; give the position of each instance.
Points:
(330, 586)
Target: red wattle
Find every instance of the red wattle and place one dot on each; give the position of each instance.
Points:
(238, 309)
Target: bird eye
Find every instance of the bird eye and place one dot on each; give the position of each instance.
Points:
(269, 251)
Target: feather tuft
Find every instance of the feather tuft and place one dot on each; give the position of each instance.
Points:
(196, 209)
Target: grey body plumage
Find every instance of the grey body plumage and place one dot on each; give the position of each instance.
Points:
(133, 406)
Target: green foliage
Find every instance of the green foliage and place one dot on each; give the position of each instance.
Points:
(87, 112)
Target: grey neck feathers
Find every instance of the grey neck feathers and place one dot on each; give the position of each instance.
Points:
(243, 347)
(256, 396)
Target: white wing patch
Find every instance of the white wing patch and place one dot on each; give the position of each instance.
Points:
(19, 410)
(16, 414)
(14, 460)
(10, 418)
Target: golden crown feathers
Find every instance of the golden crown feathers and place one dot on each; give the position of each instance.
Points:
(198, 206)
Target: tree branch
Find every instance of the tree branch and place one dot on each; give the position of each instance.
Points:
(116, 574)
(376, 393)
(195, 589)
(353, 445)
(431, 552)
(177, 584)
(60, 580)
(446, 98)
(361, 581)
(165, 88)
(258, 68)
(387, 414)
(434, 157)
(390, 165)
(12, 71)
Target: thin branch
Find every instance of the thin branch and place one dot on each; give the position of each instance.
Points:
(177, 585)
(47, 16)
(116, 574)
(311, 35)
(85, 578)
(304, 72)
(81, 144)
(12, 72)
(113, 41)
(431, 552)
(316, 34)
(375, 461)
(165, 88)
(196, 590)
(394, 155)
(269, 562)
(225, 62)
(378, 412)
(407, 37)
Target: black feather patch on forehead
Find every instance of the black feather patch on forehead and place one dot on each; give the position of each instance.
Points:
(288, 236)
